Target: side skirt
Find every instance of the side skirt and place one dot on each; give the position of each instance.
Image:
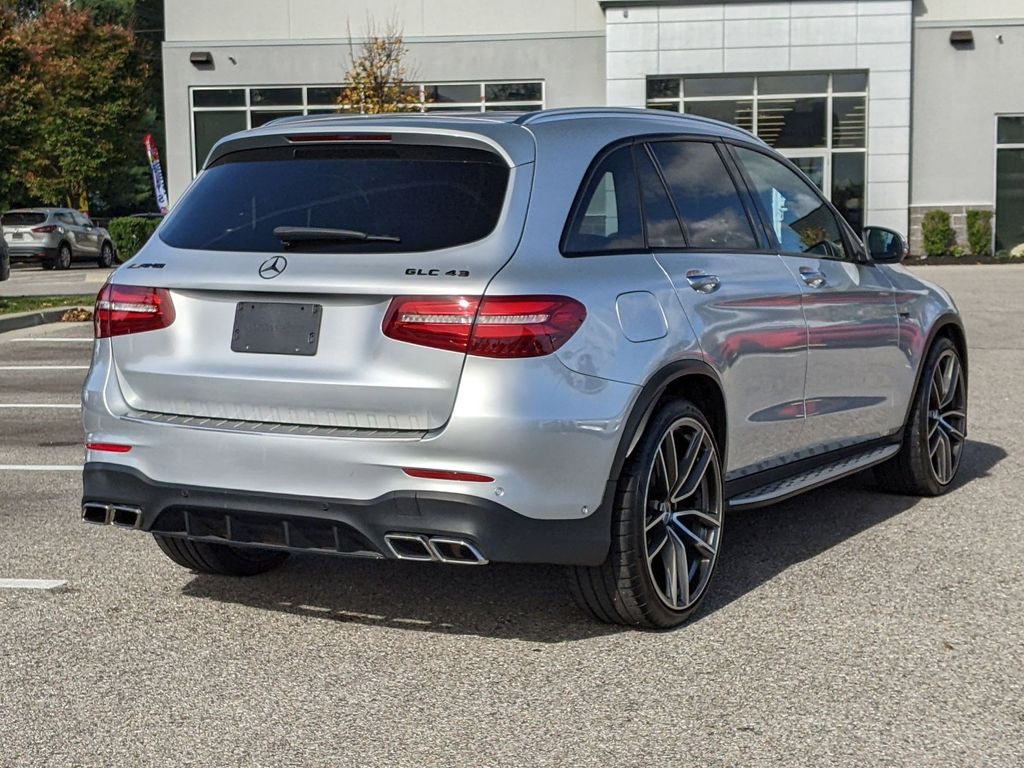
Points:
(771, 486)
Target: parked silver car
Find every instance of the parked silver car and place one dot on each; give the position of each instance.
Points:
(55, 237)
(573, 337)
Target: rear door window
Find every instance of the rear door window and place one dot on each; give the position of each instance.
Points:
(422, 198)
(704, 194)
(660, 220)
(607, 218)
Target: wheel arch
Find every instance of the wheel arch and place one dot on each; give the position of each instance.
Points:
(693, 380)
(948, 325)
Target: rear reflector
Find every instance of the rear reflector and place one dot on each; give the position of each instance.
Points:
(124, 309)
(108, 447)
(444, 474)
(497, 326)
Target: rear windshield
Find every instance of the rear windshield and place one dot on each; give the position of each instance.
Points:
(22, 218)
(426, 197)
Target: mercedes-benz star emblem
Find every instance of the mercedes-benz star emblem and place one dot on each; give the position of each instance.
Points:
(271, 268)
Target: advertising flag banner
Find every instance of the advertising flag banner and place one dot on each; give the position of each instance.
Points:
(158, 174)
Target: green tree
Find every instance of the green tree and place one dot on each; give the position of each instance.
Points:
(19, 98)
(92, 115)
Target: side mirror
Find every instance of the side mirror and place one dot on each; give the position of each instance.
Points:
(886, 246)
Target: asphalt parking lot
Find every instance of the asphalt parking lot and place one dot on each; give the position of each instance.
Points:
(32, 280)
(845, 627)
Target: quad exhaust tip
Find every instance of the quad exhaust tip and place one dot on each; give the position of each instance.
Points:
(438, 549)
(118, 515)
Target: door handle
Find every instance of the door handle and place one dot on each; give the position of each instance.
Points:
(703, 283)
(813, 277)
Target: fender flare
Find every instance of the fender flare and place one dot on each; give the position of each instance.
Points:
(945, 320)
(648, 399)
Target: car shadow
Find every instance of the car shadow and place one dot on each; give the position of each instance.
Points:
(531, 603)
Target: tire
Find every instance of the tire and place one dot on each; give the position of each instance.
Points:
(628, 588)
(106, 259)
(63, 260)
(5, 269)
(920, 468)
(220, 559)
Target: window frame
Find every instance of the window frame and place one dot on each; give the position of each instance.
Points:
(578, 208)
(764, 243)
(856, 253)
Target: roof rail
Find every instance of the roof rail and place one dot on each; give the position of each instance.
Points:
(577, 113)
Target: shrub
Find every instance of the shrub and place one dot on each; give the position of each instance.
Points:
(130, 234)
(979, 232)
(937, 233)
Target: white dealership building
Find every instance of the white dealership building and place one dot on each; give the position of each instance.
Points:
(893, 107)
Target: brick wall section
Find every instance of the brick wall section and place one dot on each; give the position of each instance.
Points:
(958, 218)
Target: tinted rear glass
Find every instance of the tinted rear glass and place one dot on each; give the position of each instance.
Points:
(22, 219)
(429, 197)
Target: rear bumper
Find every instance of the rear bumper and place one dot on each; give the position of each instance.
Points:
(31, 252)
(346, 526)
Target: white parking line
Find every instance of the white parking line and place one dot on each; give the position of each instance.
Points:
(41, 467)
(39, 405)
(44, 367)
(31, 583)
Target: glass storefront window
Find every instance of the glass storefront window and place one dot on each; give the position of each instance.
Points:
(817, 119)
(1009, 225)
(217, 112)
(697, 87)
(849, 121)
(787, 84)
(739, 113)
(848, 186)
(211, 127)
(790, 123)
(275, 97)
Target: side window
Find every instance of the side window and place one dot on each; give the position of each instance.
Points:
(64, 218)
(802, 221)
(80, 220)
(705, 195)
(609, 217)
(660, 219)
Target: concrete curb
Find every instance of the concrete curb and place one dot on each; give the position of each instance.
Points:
(30, 319)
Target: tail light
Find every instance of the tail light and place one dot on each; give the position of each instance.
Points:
(45, 230)
(124, 309)
(498, 326)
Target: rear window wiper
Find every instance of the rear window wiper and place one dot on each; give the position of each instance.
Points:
(293, 235)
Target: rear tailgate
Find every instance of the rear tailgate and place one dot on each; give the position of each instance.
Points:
(228, 356)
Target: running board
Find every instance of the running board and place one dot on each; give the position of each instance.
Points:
(812, 478)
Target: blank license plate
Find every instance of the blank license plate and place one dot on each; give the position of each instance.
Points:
(266, 328)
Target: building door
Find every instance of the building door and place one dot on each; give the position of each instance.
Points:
(1009, 228)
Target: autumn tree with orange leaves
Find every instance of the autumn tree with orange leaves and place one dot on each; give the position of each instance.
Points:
(378, 77)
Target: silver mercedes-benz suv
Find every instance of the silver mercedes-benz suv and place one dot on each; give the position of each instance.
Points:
(573, 337)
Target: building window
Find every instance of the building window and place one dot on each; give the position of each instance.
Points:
(1009, 228)
(217, 112)
(817, 119)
